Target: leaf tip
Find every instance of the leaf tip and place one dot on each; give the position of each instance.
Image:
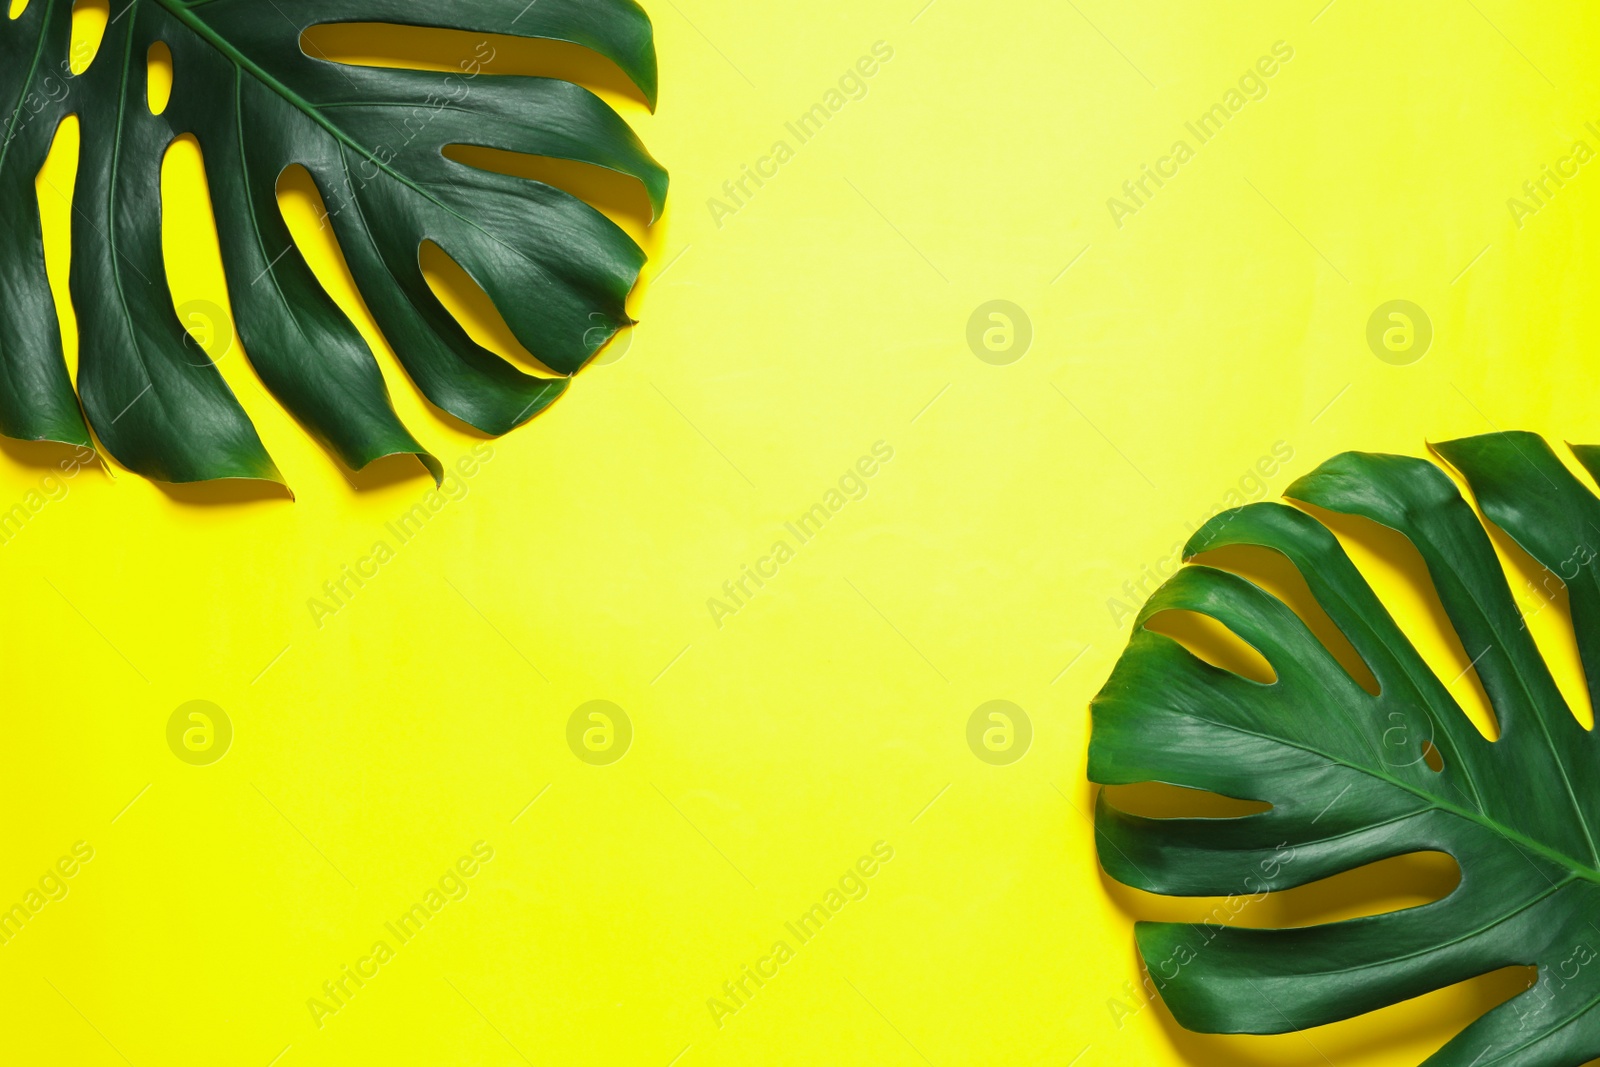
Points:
(435, 468)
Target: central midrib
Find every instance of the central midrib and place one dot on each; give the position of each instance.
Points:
(180, 11)
(1587, 873)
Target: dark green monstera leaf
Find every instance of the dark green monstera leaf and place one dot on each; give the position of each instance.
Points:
(373, 141)
(1520, 815)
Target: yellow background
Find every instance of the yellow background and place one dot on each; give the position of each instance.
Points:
(829, 313)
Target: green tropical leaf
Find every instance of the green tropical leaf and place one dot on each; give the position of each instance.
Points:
(1344, 769)
(373, 140)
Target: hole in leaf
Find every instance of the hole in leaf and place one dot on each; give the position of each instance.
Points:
(369, 44)
(18, 7)
(1432, 757)
(1396, 571)
(1273, 571)
(619, 197)
(1393, 884)
(89, 18)
(1158, 800)
(1546, 609)
(306, 216)
(1213, 642)
(192, 262)
(158, 77)
(54, 188)
(1407, 1032)
(465, 299)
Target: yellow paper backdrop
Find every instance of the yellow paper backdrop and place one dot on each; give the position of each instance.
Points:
(1211, 327)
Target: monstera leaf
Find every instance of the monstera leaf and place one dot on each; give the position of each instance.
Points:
(1345, 771)
(373, 141)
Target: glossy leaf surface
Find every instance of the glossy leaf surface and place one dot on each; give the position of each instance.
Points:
(373, 140)
(1349, 775)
